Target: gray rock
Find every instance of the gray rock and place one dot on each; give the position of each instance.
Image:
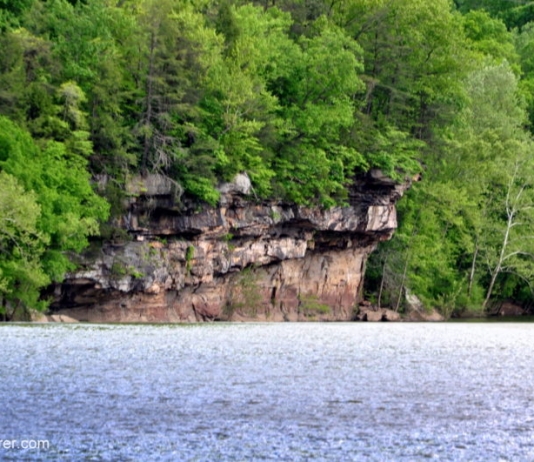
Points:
(240, 185)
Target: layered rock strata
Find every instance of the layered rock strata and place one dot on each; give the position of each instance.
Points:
(242, 260)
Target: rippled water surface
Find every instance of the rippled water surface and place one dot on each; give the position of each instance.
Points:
(293, 392)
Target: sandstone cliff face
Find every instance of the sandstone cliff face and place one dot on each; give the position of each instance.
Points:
(243, 260)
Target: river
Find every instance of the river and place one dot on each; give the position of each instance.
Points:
(280, 392)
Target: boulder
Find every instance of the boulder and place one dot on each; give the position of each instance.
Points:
(374, 314)
(241, 184)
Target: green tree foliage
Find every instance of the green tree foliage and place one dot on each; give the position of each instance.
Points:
(237, 93)
(514, 13)
(21, 247)
(414, 60)
(524, 43)
(11, 12)
(60, 208)
(489, 37)
(91, 42)
(317, 85)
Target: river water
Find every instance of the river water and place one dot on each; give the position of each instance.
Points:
(280, 392)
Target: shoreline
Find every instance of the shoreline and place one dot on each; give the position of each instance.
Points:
(431, 318)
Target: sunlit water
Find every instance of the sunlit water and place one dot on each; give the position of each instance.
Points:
(289, 392)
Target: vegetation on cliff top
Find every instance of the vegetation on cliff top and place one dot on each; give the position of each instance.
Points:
(300, 94)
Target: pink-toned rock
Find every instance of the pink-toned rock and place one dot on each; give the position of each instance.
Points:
(373, 314)
(424, 316)
(36, 316)
(390, 315)
(61, 318)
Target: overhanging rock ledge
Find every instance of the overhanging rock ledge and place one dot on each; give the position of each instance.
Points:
(242, 260)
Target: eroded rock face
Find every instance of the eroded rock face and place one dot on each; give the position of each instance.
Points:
(243, 260)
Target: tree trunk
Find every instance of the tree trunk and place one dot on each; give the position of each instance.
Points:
(381, 289)
(397, 305)
(472, 272)
(498, 266)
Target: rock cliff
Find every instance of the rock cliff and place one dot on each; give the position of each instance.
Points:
(242, 260)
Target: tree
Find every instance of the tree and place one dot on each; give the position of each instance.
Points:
(67, 210)
(21, 247)
(510, 241)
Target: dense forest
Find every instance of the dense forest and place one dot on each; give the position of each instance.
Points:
(300, 95)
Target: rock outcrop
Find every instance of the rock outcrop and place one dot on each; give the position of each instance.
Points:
(243, 260)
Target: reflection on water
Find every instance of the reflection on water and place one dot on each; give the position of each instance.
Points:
(294, 392)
